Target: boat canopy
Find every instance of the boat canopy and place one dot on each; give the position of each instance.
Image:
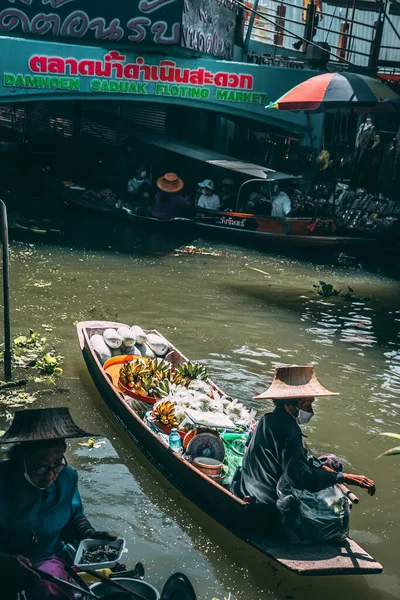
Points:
(210, 157)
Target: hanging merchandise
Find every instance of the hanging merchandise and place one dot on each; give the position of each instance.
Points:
(364, 142)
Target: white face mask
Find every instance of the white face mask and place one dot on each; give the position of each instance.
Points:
(304, 417)
(29, 480)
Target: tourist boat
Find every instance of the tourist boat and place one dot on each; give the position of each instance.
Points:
(346, 558)
(285, 232)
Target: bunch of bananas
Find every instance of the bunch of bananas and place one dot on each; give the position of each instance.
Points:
(154, 377)
(126, 375)
(186, 372)
(164, 412)
(163, 389)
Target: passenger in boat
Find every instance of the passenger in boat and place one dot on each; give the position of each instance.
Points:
(136, 184)
(227, 195)
(168, 203)
(276, 447)
(208, 199)
(257, 204)
(281, 205)
(41, 508)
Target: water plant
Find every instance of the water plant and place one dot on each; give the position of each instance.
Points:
(392, 451)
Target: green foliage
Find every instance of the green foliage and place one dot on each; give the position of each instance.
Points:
(326, 290)
(49, 365)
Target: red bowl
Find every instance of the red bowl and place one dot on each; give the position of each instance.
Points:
(131, 392)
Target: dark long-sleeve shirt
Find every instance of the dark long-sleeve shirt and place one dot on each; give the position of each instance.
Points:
(276, 449)
(35, 523)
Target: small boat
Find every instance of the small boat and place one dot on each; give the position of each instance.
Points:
(346, 558)
(285, 232)
(74, 196)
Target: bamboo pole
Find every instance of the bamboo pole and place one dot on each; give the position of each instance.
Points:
(6, 295)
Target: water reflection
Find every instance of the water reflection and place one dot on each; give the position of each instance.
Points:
(241, 323)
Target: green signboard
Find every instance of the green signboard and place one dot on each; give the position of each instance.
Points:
(30, 69)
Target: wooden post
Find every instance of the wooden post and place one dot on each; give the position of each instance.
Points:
(6, 295)
(309, 27)
(376, 44)
(279, 24)
(343, 39)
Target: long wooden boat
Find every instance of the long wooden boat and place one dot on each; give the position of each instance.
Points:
(346, 558)
(289, 232)
(76, 197)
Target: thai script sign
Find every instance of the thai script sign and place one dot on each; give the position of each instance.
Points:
(114, 73)
(31, 69)
(209, 26)
(137, 21)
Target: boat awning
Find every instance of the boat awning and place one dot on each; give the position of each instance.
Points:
(209, 156)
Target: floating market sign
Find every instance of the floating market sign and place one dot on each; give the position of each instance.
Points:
(206, 26)
(31, 69)
(115, 74)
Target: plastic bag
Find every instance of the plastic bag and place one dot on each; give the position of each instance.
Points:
(312, 518)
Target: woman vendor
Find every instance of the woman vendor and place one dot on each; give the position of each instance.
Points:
(41, 508)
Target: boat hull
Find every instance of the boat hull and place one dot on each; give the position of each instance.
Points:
(289, 232)
(217, 502)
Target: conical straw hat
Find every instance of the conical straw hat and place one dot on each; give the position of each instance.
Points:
(295, 382)
(41, 425)
(170, 182)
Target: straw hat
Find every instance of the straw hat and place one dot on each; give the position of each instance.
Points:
(41, 425)
(295, 382)
(170, 182)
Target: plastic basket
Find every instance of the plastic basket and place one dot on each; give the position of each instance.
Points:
(119, 544)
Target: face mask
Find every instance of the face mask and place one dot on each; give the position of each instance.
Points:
(29, 480)
(304, 417)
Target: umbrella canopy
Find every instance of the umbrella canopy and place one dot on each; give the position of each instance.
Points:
(335, 90)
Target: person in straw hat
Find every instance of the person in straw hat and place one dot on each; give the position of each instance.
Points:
(276, 447)
(41, 508)
(168, 203)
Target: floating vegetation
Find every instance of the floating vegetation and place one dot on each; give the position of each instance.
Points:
(91, 443)
(197, 250)
(326, 290)
(49, 365)
(16, 398)
(39, 365)
(392, 451)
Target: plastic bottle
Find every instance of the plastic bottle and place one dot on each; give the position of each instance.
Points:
(175, 440)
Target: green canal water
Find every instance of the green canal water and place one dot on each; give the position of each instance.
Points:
(241, 323)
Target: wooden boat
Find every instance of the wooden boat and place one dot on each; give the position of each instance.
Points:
(288, 232)
(75, 197)
(347, 558)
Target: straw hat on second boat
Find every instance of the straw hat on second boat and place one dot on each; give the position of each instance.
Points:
(42, 424)
(170, 183)
(295, 382)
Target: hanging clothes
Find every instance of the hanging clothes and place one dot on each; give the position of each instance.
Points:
(375, 156)
(364, 142)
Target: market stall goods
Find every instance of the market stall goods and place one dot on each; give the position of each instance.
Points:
(180, 467)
